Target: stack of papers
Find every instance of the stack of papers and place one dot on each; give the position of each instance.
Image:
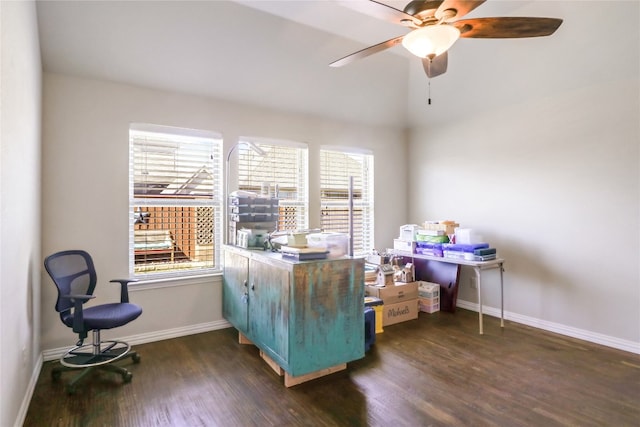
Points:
(304, 253)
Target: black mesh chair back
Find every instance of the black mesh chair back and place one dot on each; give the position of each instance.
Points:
(73, 274)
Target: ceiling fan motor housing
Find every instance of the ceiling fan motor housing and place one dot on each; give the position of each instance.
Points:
(423, 9)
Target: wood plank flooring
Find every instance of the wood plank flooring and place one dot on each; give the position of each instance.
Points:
(434, 371)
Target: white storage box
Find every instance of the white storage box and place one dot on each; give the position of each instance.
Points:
(404, 245)
(428, 290)
(428, 305)
(408, 232)
(428, 297)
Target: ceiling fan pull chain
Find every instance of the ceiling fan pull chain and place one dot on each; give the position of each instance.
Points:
(429, 89)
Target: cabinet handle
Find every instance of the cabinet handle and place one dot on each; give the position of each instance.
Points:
(253, 286)
(244, 283)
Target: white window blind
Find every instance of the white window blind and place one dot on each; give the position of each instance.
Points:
(175, 203)
(336, 167)
(284, 166)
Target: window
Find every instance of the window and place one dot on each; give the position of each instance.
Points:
(175, 201)
(284, 167)
(336, 167)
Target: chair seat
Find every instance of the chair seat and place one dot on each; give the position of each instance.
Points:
(107, 316)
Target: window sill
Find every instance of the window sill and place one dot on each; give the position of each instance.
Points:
(169, 282)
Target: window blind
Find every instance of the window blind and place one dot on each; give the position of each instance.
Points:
(336, 167)
(284, 166)
(175, 202)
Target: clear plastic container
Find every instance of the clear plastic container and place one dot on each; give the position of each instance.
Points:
(336, 243)
(467, 236)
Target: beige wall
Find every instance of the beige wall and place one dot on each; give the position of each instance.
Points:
(551, 181)
(85, 176)
(20, 260)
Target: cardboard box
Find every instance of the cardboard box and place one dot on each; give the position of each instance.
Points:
(449, 227)
(395, 293)
(400, 312)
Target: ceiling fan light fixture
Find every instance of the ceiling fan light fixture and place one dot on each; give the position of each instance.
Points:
(431, 40)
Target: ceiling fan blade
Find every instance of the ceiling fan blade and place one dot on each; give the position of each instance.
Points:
(507, 27)
(366, 52)
(436, 66)
(382, 11)
(462, 7)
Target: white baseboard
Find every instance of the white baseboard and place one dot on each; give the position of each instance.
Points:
(55, 353)
(620, 344)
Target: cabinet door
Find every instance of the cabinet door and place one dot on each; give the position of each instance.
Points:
(269, 310)
(235, 290)
(328, 309)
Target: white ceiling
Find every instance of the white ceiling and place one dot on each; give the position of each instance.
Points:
(276, 54)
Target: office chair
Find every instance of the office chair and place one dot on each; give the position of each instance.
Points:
(75, 277)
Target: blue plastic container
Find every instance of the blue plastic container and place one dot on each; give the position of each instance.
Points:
(369, 328)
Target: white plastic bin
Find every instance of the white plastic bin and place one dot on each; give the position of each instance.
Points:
(336, 243)
(467, 236)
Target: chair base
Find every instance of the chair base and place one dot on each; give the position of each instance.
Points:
(101, 358)
(96, 354)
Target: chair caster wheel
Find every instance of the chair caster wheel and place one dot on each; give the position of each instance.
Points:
(126, 377)
(136, 358)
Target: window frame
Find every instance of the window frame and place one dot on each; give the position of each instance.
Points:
(246, 165)
(214, 201)
(366, 191)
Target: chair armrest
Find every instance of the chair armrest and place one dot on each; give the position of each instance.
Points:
(78, 318)
(82, 298)
(124, 290)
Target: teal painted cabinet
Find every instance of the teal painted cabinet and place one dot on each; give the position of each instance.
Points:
(235, 295)
(306, 316)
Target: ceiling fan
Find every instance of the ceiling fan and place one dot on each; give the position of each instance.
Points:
(436, 27)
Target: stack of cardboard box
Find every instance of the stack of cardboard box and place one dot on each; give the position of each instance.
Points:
(400, 301)
(399, 295)
(396, 287)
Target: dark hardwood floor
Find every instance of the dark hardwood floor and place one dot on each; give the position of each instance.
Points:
(434, 371)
